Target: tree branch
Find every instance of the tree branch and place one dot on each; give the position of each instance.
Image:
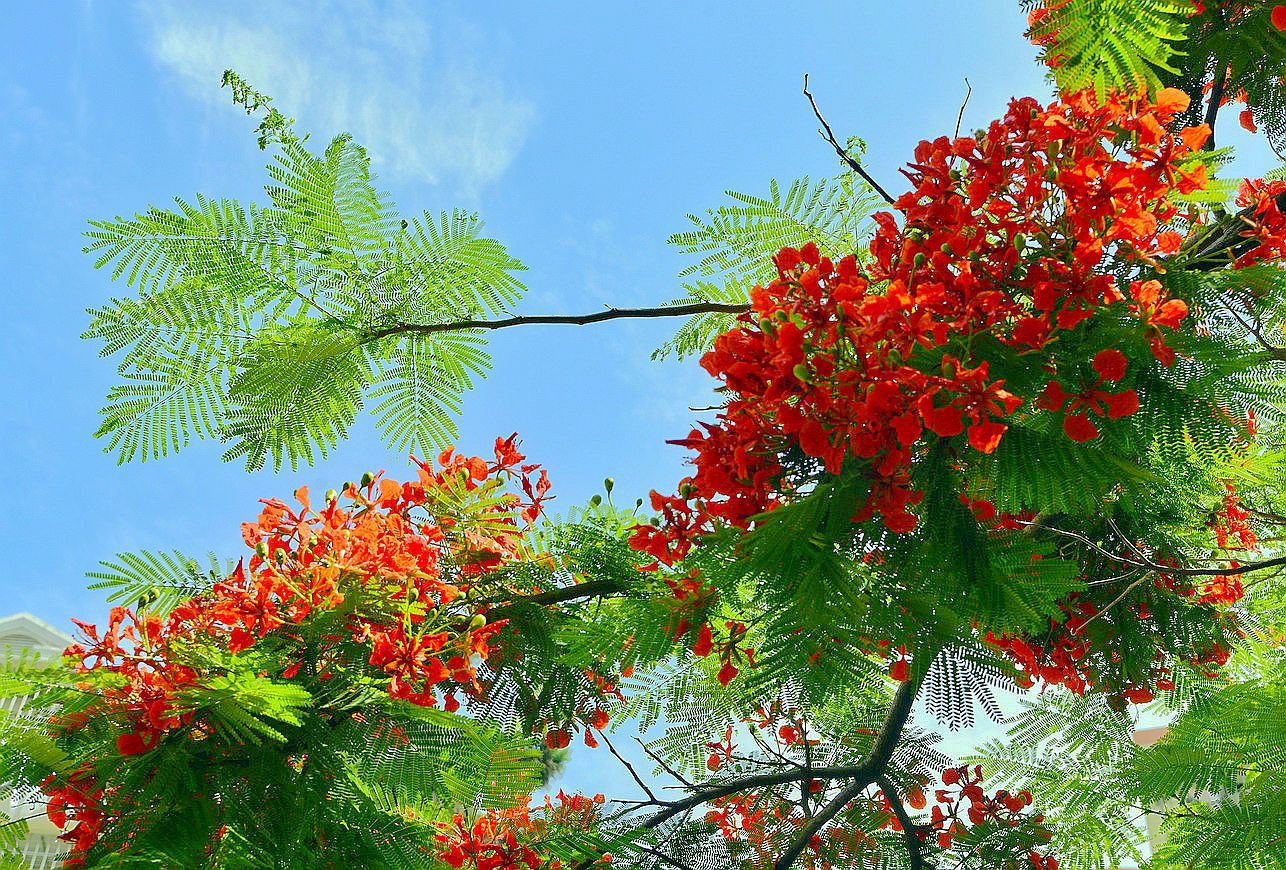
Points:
(561, 319)
(1161, 569)
(829, 136)
(881, 753)
(910, 830)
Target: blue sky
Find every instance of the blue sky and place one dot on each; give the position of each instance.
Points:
(582, 133)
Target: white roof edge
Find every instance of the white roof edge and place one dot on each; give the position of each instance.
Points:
(44, 632)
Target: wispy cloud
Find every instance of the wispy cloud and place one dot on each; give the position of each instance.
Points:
(426, 98)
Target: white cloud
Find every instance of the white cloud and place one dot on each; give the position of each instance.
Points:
(422, 98)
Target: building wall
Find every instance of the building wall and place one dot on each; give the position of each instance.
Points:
(22, 631)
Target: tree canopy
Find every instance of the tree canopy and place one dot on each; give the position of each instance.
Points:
(1015, 428)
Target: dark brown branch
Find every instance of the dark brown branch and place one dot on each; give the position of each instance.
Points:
(910, 830)
(882, 750)
(829, 136)
(785, 777)
(810, 829)
(561, 319)
(1216, 97)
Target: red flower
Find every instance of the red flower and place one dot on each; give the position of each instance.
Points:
(1110, 364)
(1079, 428)
(1122, 404)
(1279, 16)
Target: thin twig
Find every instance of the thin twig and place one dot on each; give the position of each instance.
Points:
(1163, 569)
(674, 773)
(960, 117)
(829, 135)
(634, 773)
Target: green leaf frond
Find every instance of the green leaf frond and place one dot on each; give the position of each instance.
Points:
(269, 326)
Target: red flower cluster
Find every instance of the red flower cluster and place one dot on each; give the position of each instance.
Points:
(502, 839)
(403, 556)
(964, 804)
(1265, 225)
(1004, 236)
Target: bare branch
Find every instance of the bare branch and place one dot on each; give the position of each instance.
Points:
(643, 785)
(560, 319)
(1162, 569)
(960, 117)
(829, 136)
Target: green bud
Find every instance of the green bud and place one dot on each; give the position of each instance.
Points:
(801, 372)
(261, 549)
(638, 503)
(765, 325)
(477, 622)
(367, 478)
(331, 496)
(596, 500)
(687, 490)
(348, 484)
(280, 555)
(608, 484)
(1020, 242)
(918, 259)
(946, 249)
(781, 316)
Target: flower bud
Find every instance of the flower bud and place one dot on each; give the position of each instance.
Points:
(261, 549)
(477, 622)
(367, 478)
(596, 500)
(918, 259)
(331, 496)
(608, 483)
(801, 372)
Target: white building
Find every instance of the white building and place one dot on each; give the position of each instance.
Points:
(22, 631)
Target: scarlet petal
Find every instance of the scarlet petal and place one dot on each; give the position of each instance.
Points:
(132, 744)
(1110, 364)
(1279, 16)
(726, 673)
(1079, 428)
(1173, 101)
(705, 641)
(900, 671)
(1122, 404)
(985, 437)
(1247, 120)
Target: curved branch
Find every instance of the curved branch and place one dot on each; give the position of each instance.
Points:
(829, 136)
(885, 745)
(910, 830)
(1149, 565)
